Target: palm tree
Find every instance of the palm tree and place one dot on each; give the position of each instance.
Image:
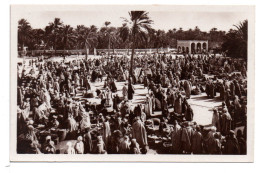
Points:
(235, 43)
(67, 37)
(160, 39)
(134, 29)
(242, 29)
(242, 35)
(38, 36)
(213, 29)
(47, 37)
(24, 32)
(107, 33)
(87, 37)
(55, 28)
(113, 38)
(78, 31)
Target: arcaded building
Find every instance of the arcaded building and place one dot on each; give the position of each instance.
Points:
(192, 46)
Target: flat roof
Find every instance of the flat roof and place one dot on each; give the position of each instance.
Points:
(191, 40)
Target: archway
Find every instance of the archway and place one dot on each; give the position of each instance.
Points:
(193, 48)
(187, 50)
(204, 46)
(179, 49)
(198, 47)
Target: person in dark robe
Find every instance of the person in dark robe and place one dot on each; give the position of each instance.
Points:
(186, 138)
(211, 90)
(232, 89)
(87, 84)
(178, 105)
(207, 90)
(139, 132)
(125, 109)
(197, 142)
(214, 144)
(189, 113)
(97, 63)
(242, 142)
(113, 86)
(187, 88)
(116, 101)
(176, 138)
(138, 110)
(184, 105)
(170, 97)
(145, 81)
(232, 145)
(164, 104)
(94, 76)
(222, 91)
(237, 89)
(131, 91)
(243, 111)
(226, 121)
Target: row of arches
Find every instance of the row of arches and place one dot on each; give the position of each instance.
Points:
(194, 48)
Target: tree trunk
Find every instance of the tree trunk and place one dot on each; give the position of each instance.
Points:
(113, 48)
(22, 46)
(55, 46)
(131, 65)
(132, 62)
(86, 47)
(132, 58)
(108, 46)
(22, 52)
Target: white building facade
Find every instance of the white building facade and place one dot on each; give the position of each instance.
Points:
(192, 46)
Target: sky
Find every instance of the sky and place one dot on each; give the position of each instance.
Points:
(164, 18)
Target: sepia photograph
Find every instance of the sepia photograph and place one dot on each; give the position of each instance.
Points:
(132, 83)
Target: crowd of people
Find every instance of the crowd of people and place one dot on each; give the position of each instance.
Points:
(55, 105)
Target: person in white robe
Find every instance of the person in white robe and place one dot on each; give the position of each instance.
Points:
(79, 146)
(70, 149)
(106, 131)
(72, 124)
(148, 106)
(124, 91)
(85, 122)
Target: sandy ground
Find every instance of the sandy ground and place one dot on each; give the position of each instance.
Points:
(201, 105)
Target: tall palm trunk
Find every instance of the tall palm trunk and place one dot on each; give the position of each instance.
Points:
(86, 49)
(64, 48)
(64, 51)
(54, 45)
(132, 61)
(108, 46)
(132, 58)
(131, 65)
